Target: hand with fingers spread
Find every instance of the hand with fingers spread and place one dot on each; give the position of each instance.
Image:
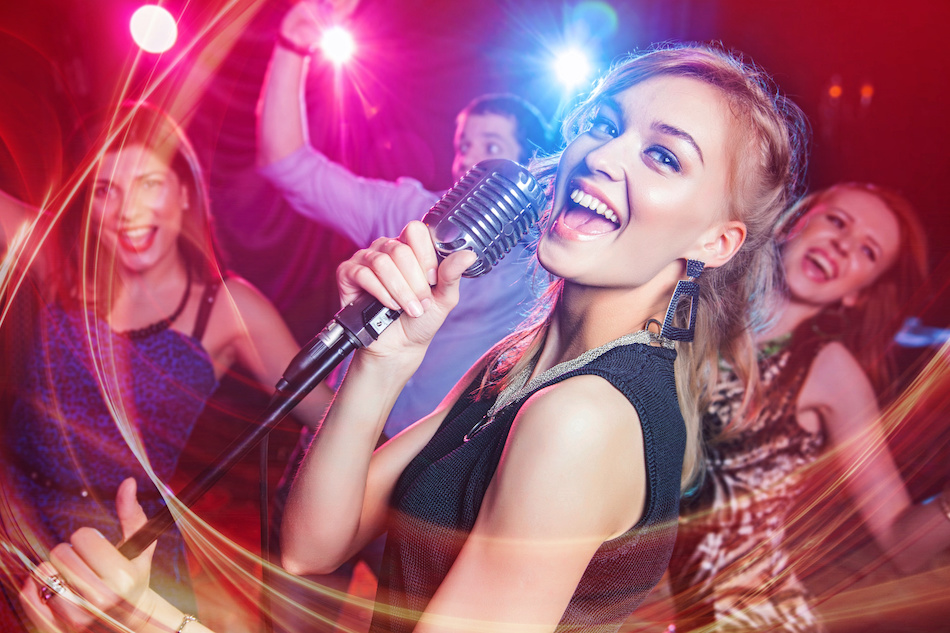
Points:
(95, 576)
(405, 274)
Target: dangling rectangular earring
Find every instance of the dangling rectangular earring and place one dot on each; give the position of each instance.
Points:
(685, 288)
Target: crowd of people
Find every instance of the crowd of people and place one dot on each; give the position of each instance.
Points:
(643, 392)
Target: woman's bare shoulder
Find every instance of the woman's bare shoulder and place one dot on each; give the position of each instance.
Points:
(581, 413)
(836, 382)
(582, 439)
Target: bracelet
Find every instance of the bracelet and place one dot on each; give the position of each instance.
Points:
(185, 620)
(284, 42)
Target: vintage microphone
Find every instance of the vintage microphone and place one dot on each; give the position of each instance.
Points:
(487, 211)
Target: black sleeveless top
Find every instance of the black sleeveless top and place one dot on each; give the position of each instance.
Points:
(438, 496)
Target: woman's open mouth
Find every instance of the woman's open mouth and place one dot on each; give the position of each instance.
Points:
(818, 266)
(137, 239)
(587, 215)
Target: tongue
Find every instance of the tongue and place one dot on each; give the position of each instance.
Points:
(587, 222)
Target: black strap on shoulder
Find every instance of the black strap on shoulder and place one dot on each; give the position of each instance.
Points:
(204, 309)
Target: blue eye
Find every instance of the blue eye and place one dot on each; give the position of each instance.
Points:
(835, 220)
(603, 125)
(869, 253)
(664, 157)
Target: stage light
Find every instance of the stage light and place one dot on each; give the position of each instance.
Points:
(572, 68)
(337, 45)
(153, 28)
(835, 91)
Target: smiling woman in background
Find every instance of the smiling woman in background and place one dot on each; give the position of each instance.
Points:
(853, 256)
(119, 328)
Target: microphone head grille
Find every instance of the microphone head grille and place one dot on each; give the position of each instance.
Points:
(488, 211)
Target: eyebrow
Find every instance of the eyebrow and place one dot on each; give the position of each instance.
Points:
(102, 180)
(147, 174)
(665, 128)
(485, 135)
(658, 126)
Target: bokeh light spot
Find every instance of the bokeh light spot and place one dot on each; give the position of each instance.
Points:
(595, 20)
(153, 28)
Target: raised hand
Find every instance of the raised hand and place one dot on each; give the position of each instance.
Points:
(304, 23)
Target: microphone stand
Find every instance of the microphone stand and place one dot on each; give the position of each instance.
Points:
(356, 325)
(487, 211)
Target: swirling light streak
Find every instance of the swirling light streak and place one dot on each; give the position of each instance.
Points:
(928, 396)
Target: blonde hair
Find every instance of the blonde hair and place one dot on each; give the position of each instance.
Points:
(769, 162)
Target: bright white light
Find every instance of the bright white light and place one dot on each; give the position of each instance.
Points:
(572, 68)
(153, 29)
(337, 45)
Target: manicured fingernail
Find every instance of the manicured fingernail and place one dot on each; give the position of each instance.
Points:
(414, 308)
(432, 276)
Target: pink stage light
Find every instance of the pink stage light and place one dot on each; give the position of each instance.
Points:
(337, 45)
(153, 28)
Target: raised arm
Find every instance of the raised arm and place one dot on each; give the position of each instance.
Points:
(257, 338)
(839, 392)
(339, 499)
(282, 118)
(360, 208)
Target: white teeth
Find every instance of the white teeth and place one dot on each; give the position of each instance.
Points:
(822, 263)
(595, 205)
(137, 232)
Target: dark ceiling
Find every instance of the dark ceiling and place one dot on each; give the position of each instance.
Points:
(422, 60)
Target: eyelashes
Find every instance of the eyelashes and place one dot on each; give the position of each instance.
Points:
(664, 157)
(603, 123)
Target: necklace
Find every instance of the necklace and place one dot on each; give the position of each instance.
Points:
(775, 345)
(163, 324)
(520, 385)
